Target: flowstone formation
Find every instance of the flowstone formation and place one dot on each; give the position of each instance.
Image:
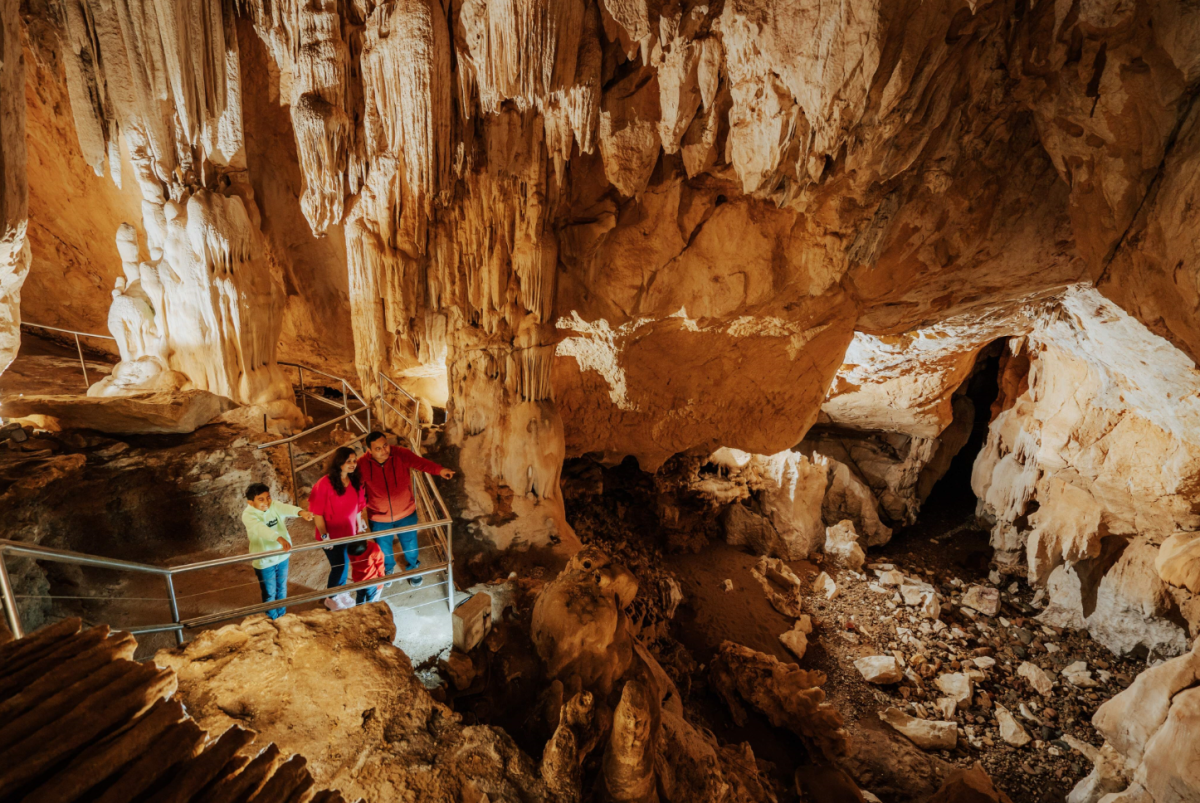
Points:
(640, 230)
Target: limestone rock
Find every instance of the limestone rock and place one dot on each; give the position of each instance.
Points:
(841, 546)
(1011, 730)
(1150, 727)
(382, 713)
(589, 644)
(849, 498)
(1037, 678)
(879, 669)
(790, 697)
(925, 734)
(1078, 675)
(947, 706)
(969, 786)
(824, 586)
(796, 639)
(781, 586)
(984, 599)
(182, 411)
(956, 685)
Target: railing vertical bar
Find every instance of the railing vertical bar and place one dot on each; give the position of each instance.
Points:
(10, 601)
(174, 608)
(292, 470)
(82, 364)
(303, 395)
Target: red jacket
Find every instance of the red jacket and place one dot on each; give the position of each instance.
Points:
(389, 490)
(368, 565)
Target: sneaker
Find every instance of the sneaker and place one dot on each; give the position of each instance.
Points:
(415, 581)
(388, 584)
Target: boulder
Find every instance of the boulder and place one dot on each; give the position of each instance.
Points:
(842, 548)
(140, 414)
(782, 587)
(925, 734)
(879, 669)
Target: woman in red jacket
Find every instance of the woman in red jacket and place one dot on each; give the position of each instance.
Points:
(337, 501)
(384, 472)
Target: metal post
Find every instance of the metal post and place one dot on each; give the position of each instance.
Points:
(292, 469)
(303, 395)
(10, 601)
(450, 576)
(174, 607)
(82, 364)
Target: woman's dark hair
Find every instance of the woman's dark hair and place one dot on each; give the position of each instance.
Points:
(357, 548)
(256, 489)
(334, 472)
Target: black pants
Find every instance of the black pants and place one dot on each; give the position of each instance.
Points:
(339, 569)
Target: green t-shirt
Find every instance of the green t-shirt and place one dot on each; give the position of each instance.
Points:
(265, 528)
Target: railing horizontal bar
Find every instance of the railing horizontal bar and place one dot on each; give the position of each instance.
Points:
(64, 556)
(311, 430)
(66, 331)
(322, 399)
(323, 455)
(311, 370)
(250, 610)
(209, 564)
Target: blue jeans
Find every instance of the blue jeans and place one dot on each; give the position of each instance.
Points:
(408, 542)
(273, 582)
(368, 594)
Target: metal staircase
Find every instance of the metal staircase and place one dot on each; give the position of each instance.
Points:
(433, 526)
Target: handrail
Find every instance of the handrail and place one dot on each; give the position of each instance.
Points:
(66, 331)
(38, 552)
(310, 430)
(78, 348)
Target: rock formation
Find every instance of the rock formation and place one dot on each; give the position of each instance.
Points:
(14, 196)
(385, 735)
(83, 721)
(1090, 465)
(1150, 731)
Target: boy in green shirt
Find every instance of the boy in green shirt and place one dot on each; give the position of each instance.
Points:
(264, 524)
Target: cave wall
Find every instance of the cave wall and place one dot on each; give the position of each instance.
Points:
(590, 228)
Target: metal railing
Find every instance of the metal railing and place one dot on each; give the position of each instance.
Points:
(406, 400)
(78, 348)
(439, 529)
(433, 515)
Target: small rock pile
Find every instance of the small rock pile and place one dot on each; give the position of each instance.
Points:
(964, 668)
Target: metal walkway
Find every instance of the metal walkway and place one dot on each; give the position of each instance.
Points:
(434, 523)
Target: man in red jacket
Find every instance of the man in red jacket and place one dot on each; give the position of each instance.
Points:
(390, 500)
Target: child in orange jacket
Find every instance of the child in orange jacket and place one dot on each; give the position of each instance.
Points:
(366, 563)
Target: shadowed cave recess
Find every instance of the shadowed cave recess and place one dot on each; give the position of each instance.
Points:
(819, 382)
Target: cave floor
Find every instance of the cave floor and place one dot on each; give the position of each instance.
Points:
(944, 548)
(48, 368)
